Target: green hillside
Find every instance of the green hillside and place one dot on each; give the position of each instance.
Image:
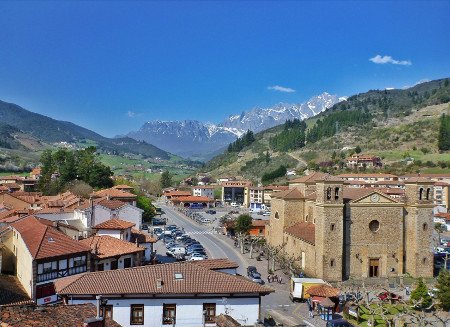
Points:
(401, 126)
(49, 130)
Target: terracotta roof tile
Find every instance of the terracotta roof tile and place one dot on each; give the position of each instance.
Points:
(114, 193)
(107, 246)
(259, 223)
(311, 178)
(143, 280)
(114, 224)
(44, 241)
(215, 264)
(367, 175)
(141, 237)
(290, 194)
(112, 204)
(304, 231)
(51, 315)
(323, 291)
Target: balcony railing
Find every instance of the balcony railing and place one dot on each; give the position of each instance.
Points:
(60, 273)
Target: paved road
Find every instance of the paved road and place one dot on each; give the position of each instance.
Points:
(218, 246)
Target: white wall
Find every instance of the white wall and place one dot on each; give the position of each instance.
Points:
(110, 232)
(56, 216)
(189, 312)
(131, 214)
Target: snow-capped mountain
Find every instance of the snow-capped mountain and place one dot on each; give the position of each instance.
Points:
(195, 139)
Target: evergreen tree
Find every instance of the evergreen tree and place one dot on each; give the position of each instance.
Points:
(358, 149)
(444, 133)
(166, 179)
(443, 287)
(420, 297)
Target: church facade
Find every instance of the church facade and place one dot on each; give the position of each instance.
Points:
(335, 232)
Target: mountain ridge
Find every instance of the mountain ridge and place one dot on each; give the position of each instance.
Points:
(193, 138)
(50, 130)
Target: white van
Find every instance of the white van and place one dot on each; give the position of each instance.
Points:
(206, 220)
(234, 204)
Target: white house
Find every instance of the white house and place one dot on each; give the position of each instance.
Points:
(207, 191)
(104, 210)
(181, 294)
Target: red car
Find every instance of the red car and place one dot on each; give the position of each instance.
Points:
(388, 296)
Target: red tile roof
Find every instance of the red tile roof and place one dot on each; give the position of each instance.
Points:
(195, 279)
(112, 204)
(367, 175)
(216, 264)
(141, 237)
(304, 231)
(49, 316)
(259, 223)
(107, 246)
(323, 291)
(114, 193)
(114, 224)
(44, 241)
(290, 194)
(311, 178)
(177, 193)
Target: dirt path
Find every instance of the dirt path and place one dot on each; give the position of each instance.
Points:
(301, 163)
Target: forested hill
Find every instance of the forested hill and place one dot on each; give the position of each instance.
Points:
(391, 123)
(14, 118)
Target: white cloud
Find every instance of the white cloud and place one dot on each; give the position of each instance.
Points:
(389, 60)
(131, 114)
(280, 89)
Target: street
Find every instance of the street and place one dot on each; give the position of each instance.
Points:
(219, 246)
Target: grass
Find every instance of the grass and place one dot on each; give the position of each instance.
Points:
(14, 173)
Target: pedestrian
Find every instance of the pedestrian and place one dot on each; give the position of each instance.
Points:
(269, 279)
(279, 280)
(310, 309)
(275, 278)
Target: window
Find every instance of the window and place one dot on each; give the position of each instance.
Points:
(420, 193)
(137, 314)
(277, 215)
(425, 226)
(374, 225)
(100, 267)
(114, 265)
(428, 193)
(332, 227)
(127, 262)
(107, 311)
(209, 310)
(424, 261)
(336, 193)
(45, 290)
(329, 193)
(169, 314)
(332, 263)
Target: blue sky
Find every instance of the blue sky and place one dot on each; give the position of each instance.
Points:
(111, 66)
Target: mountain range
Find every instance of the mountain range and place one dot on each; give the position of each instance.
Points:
(203, 140)
(22, 129)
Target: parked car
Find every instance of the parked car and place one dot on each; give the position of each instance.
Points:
(257, 280)
(206, 221)
(338, 323)
(234, 204)
(251, 269)
(196, 257)
(266, 213)
(211, 212)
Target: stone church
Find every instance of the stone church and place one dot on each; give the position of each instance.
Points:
(336, 232)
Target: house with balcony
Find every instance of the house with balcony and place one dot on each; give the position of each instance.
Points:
(110, 253)
(255, 198)
(206, 191)
(39, 254)
(173, 294)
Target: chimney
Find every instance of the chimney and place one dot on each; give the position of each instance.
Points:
(159, 283)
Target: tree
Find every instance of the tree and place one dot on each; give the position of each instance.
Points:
(443, 287)
(358, 149)
(166, 179)
(444, 133)
(267, 157)
(440, 228)
(420, 297)
(243, 224)
(80, 188)
(145, 204)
